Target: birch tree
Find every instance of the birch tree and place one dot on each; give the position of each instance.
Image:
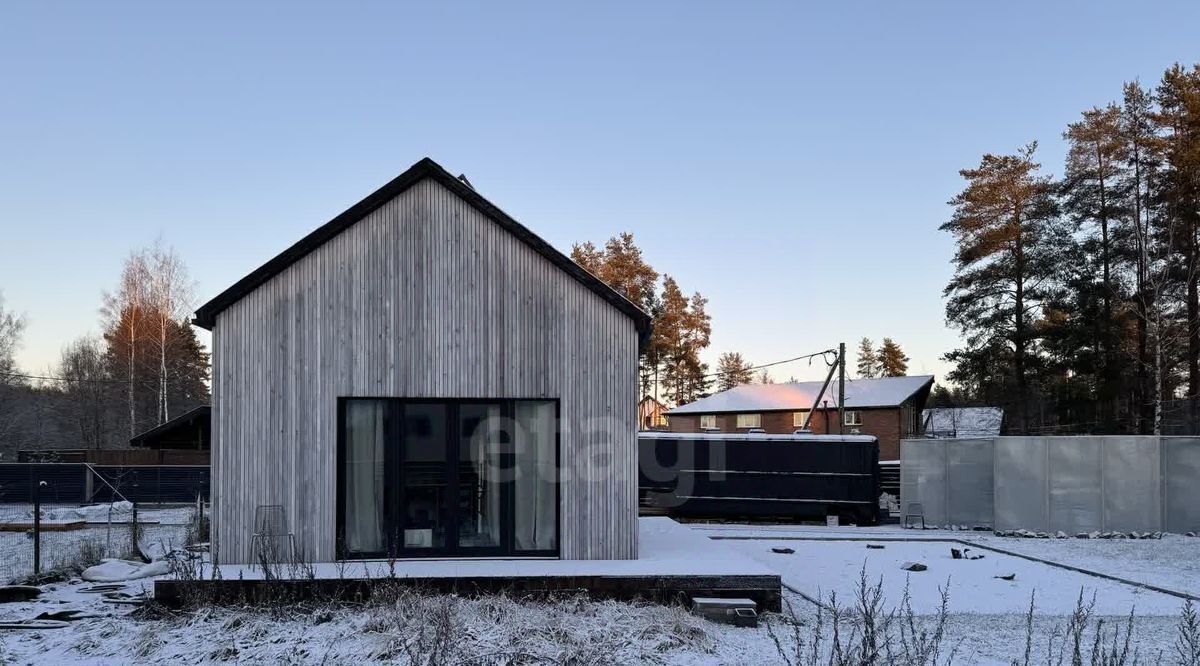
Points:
(124, 315)
(169, 299)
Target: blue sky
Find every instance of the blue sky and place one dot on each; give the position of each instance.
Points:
(791, 161)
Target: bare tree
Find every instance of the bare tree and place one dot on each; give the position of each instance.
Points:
(169, 297)
(124, 313)
(12, 326)
(86, 390)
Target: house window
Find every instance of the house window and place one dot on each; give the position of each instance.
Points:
(447, 478)
(749, 420)
(853, 418)
(798, 418)
(708, 422)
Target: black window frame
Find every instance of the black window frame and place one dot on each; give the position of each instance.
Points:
(393, 489)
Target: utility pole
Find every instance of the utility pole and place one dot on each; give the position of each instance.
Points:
(841, 386)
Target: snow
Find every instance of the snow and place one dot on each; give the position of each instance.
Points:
(962, 422)
(117, 571)
(860, 393)
(1172, 562)
(158, 526)
(985, 626)
(754, 437)
(665, 547)
(819, 568)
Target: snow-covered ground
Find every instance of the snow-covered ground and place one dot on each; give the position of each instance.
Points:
(167, 526)
(986, 624)
(1172, 562)
(818, 568)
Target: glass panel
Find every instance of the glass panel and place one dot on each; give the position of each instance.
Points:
(480, 476)
(535, 490)
(365, 439)
(423, 477)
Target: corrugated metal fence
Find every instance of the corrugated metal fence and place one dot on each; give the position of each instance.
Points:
(1050, 484)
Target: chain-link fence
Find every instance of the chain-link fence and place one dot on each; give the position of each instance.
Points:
(39, 539)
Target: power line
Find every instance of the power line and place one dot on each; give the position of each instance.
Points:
(787, 360)
(123, 382)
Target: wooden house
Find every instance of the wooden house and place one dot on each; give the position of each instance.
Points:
(423, 376)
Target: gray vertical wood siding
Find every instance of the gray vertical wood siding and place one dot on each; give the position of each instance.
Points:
(425, 297)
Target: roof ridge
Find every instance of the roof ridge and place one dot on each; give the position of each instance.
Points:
(426, 167)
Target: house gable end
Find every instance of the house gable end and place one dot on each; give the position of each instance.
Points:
(206, 315)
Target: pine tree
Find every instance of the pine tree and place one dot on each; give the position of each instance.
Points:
(734, 371)
(1093, 171)
(892, 361)
(764, 377)
(686, 330)
(1178, 97)
(868, 362)
(1005, 227)
(1142, 158)
(681, 328)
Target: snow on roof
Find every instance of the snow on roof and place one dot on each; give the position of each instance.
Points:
(963, 422)
(860, 393)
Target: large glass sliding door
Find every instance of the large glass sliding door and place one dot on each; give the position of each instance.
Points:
(424, 483)
(447, 478)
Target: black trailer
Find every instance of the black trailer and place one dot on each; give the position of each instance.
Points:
(792, 477)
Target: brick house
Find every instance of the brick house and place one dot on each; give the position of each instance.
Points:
(888, 408)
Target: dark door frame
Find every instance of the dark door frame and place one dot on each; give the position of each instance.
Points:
(394, 491)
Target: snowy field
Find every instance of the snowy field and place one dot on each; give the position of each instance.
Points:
(986, 622)
(165, 526)
(1172, 562)
(975, 586)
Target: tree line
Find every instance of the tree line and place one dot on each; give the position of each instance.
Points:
(1078, 297)
(145, 368)
(670, 367)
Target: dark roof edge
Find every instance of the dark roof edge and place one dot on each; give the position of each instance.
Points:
(186, 417)
(206, 315)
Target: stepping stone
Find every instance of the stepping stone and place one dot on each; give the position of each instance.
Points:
(15, 593)
(1010, 576)
(35, 624)
(875, 546)
(956, 554)
(103, 588)
(783, 551)
(913, 566)
(66, 615)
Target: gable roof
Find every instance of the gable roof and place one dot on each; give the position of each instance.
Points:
(206, 315)
(860, 394)
(201, 413)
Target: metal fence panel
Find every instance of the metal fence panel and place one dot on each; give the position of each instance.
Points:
(1075, 481)
(797, 477)
(923, 478)
(1020, 483)
(1132, 490)
(969, 482)
(1181, 492)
